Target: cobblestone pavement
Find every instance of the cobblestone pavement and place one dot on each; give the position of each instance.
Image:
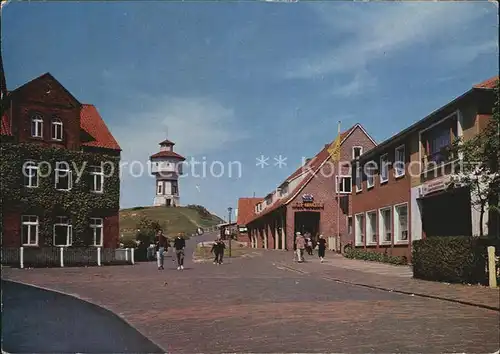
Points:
(256, 305)
(398, 278)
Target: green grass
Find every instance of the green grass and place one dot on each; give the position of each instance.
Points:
(173, 220)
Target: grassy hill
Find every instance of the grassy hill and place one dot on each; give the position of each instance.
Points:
(173, 220)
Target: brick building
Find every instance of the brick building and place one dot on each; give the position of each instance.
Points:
(59, 170)
(307, 199)
(400, 187)
(246, 211)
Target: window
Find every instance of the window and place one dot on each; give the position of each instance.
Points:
(63, 176)
(30, 174)
(370, 169)
(360, 229)
(159, 189)
(356, 152)
(399, 161)
(344, 185)
(63, 231)
(37, 126)
(438, 139)
(401, 222)
(371, 227)
(269, 200)
(96, 226)
(284, 190)
(359, 179)
(29, 225)
(384, 168)
(349, 225)
(97, 179)
(57, 129)
(385, 223)
(175, 189)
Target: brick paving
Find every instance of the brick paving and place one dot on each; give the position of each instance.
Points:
(387, 276)
(254, 305)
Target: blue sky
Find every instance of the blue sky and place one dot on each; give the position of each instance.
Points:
(234, 80)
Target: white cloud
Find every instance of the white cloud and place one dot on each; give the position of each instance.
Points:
(198, 125)
(378, 30)
(360, 83)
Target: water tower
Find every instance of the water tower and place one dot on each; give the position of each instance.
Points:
(166, 165)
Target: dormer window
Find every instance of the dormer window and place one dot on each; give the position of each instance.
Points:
(37, 126)
(57, 129)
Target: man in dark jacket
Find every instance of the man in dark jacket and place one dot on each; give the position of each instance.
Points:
(179, 245)
(218, 249)
(162, 247)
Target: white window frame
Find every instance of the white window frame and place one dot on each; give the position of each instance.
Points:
(97, 172)
(176, 184)
(343, 178)
(36, 123)
(65, 169)
(97, 224)
(397, 162)
(159, 188)
(360, 151)
(64, 221)
(56, 129)
(372, 178)
(397, 231)
(384, 164)
(359, 177)
(359, 232)
(381, 223)
(369, 237)
(28, 166)
(27, 220)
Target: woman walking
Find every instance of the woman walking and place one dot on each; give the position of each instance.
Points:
(321, 248)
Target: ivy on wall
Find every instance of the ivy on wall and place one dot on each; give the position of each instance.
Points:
(79, 203)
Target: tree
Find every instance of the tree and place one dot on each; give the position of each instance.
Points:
(479, 168)
(147, 229)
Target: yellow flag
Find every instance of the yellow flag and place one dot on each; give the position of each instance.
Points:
(334, 149)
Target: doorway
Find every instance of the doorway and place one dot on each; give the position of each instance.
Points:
(447, 213)
(307, 221)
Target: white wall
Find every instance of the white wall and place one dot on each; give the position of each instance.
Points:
(415, 215)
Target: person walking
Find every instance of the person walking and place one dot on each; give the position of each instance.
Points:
(301, 245)
(179, 245)
(218, 249)
(321, 248)
(161, 246)
(309, 244)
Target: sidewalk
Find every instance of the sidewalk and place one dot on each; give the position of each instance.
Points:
(392, 278)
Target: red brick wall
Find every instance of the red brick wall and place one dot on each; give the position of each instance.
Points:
(111, 231)
(69, 117)
(395, 191)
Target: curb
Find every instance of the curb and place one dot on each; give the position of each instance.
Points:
(436, 297)
(89, 302)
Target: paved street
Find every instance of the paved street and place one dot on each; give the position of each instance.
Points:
(256, 305)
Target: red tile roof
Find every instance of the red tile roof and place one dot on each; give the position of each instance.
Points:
(93, 124)
(5, 126)
(489, 84)
(246, 209)
(167, 154)
(167, 142)
(310, 169)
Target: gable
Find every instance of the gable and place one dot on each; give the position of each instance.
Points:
(358, 137)
(46, 89)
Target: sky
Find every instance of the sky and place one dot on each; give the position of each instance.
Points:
(231, 81)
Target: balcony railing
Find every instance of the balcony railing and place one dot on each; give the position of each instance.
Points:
(437, 158)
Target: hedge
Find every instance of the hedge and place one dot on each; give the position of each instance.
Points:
(355, 253)
(452, 259)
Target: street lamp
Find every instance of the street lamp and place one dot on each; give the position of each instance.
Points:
(229, 210)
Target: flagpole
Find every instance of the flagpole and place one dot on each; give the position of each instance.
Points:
(338, 189)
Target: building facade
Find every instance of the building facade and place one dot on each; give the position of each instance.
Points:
(166, 165)
(59, 170)
(402, 187)
(307, 201)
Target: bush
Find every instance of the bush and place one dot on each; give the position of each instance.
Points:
(356, 253)
(129, 243)
(452, 259)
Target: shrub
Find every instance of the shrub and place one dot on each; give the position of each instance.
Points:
(453, 259)
(356, 253)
